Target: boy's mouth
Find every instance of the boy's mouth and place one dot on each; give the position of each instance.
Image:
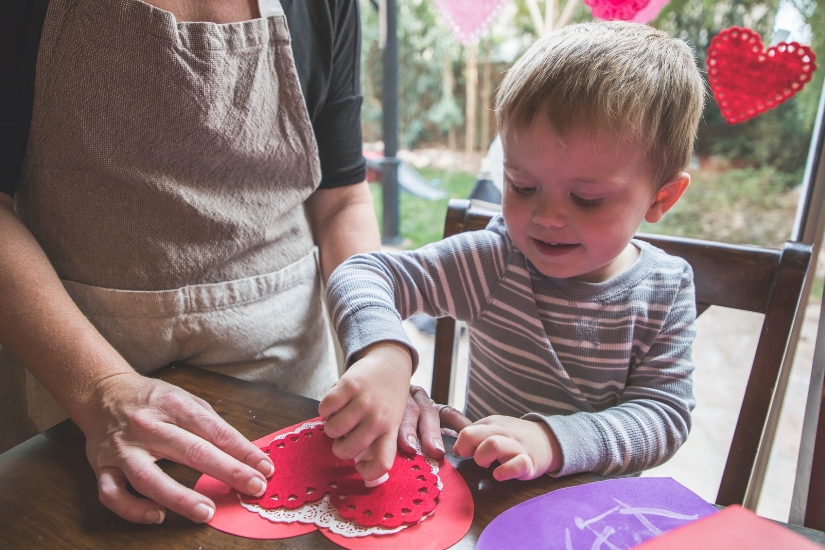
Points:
(554, 248)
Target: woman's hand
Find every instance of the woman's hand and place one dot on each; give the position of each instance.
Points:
(135, 421)
(423, 416)
(524, 448)
(364, 408)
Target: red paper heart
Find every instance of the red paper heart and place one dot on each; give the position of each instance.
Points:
(611, 10)
(306, 469)
(747, 80)
(445, 527)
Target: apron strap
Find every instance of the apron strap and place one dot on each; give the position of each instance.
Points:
(268, 8)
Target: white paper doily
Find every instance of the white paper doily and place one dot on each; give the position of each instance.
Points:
(322, 513)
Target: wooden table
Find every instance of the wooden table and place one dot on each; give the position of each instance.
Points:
(48, 492)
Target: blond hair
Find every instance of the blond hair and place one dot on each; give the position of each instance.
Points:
(631, 80)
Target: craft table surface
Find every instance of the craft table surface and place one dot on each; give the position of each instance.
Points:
(48, 492)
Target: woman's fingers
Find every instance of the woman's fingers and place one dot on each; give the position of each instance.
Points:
(147, 419)
(193, 417)
(184, 447)
(453, 419)
(111, 487)
(149, 480)
(408, 430)
(429, 424)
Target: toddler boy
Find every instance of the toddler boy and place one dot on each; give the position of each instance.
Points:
(580, 336)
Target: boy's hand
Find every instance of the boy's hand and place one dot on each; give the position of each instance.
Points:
(364, 408)
(524, 448)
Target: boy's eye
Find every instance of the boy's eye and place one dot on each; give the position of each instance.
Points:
(588, 203)
(526, 190)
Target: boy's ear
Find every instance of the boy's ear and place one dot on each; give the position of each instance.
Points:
(667, 195)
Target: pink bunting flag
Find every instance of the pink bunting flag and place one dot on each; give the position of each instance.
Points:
(650, 12)
(469, 18)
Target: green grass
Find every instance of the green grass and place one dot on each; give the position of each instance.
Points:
(740, 206)
(816, 289)
(422, 221)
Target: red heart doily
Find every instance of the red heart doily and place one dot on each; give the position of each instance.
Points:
(306, 469)
(611, 10)
(406, 497)
(294, 483)
(747, 79)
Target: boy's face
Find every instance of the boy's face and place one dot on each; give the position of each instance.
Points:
(573, 210)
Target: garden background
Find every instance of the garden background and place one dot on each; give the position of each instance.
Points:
(744, 190)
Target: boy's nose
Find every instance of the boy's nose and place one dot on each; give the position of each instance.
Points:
(549, 214)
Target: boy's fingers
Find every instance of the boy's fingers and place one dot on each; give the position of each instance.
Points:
(336, 398)
(496, 447)
(465, 445)
(383, 455)
(343, 422)
(518, 467)
(472, 436)
(407, 431)
(356, 441)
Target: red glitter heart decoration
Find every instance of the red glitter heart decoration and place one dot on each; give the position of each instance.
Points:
(306, 469)
(611, 10)
(747, 79)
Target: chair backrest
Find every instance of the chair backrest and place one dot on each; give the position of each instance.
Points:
(754, 279)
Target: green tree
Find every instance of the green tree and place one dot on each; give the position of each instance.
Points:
(778, 138)
(425, 45)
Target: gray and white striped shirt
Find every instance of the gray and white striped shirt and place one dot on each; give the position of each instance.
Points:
(607, 366)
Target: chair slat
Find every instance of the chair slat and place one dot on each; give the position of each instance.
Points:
(773, 340)
(739, 277)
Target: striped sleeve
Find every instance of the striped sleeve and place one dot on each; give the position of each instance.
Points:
(651, 419)
(370, 294)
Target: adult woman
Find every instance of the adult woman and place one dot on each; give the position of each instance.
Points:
(167, 211)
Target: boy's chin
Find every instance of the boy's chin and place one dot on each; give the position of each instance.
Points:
(559, 272)
(598, 275)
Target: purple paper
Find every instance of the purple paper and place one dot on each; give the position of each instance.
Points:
(612, 515)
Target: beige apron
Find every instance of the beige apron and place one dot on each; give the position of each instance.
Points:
(165, 175)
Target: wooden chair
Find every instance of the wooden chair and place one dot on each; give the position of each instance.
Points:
(742, 277)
